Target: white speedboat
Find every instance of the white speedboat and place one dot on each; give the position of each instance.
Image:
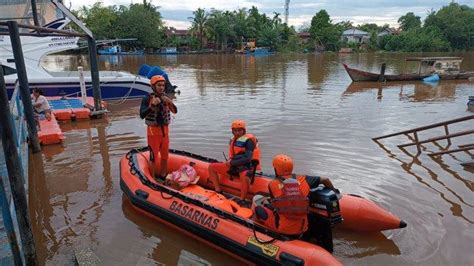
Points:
(113, 84)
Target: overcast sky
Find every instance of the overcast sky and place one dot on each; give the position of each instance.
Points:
(176, 13)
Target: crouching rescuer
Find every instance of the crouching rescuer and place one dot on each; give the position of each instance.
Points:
(286, 210)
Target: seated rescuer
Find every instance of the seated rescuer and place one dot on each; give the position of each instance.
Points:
(155, 109)
(243, 149)
(286, 211)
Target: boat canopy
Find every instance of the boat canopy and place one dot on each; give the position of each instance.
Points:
(433, 59)
(438, 65)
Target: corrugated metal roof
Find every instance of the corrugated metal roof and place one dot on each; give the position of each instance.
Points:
(354, 32)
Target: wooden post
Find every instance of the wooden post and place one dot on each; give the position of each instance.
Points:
(415, 134)
(447, 133)
(382, 72)
(94, 74)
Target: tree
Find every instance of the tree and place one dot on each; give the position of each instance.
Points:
(323, 31)
(409, 21)
(141, 21)
(100, 20)
(199, 24)
(219, 27)
(456, 23)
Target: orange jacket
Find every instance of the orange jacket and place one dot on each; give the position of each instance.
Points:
(290, 204)
(237, 146)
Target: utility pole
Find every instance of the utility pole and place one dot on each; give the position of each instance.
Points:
(287, 11)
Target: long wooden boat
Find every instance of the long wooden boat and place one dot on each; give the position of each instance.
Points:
(448, 68)
(359, 75)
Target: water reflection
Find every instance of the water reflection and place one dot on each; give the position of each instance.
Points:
(110, 62)
(356, 245)
(410, 91)
(167, 243)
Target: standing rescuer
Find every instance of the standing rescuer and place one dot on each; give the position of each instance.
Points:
(244, 158)
(155, 109)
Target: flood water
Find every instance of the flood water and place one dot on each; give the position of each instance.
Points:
(303, 105)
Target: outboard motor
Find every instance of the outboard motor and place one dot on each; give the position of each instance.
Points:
(324, 214)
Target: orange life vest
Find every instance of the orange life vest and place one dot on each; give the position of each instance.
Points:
(289, 197)
(237, 146)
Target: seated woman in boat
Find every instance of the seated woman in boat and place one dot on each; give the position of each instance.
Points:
(286, 210)
(41, 104)
(244, 158)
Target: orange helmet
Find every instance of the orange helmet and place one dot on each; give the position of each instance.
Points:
(238, 124)
(156, 78)
(283, 165)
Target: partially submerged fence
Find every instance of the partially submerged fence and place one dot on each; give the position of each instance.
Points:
(448, 136)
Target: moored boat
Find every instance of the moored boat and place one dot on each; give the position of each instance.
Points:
(447, 68)
(113, 84)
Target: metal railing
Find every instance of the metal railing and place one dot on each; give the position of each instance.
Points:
(20, 133)
(447, 136)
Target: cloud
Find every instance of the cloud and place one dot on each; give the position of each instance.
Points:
(178, 24)
(176, 13)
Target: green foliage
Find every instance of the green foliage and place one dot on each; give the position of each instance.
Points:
(323, 32)
(409, 22)
(141, 21)
(199, 24)
(100, 20)
(219, 27)
(452, 27)
(369, 27)
(427, 39)
(456, 23)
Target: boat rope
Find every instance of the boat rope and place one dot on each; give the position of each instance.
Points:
(135, 170)
(261, 241)
(125, 97)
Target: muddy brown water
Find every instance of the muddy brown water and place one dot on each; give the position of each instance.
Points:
(303, 105)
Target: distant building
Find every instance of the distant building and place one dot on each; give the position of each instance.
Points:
(304, 37)
(355, 36)
(389, 31)
(178, 33)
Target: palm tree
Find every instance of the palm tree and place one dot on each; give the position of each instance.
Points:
(199, 23)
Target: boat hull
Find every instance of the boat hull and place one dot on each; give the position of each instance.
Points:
(221, 230)
(110, 90)
(359, 75)
(359, 214)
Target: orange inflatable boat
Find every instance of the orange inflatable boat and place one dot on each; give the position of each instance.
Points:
(359, 214)
(211, 218)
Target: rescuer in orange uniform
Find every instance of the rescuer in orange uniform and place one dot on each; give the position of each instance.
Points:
(244, 156)
(155, 109)
(286, 210)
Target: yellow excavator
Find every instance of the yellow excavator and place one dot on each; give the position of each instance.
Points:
(247, 47)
